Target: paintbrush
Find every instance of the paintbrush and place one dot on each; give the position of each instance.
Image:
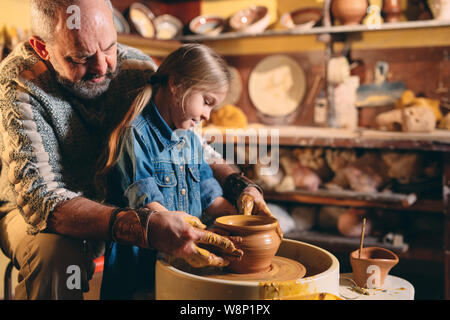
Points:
(362, 238)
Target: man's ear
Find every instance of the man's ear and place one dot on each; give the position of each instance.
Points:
(40, 47)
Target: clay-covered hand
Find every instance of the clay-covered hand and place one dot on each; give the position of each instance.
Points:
(177, 234)
(251, 202)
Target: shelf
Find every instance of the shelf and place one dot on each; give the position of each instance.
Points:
(358, 199)
(321, 30)
(439, 140)
(341, 243)
(338, 244)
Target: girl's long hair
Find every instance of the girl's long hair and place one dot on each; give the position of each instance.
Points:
(191, 67)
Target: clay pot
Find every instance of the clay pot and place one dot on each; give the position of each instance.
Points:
(371, 269)
(350, 222)
(392, 10)
(260, 241)
(349, 12)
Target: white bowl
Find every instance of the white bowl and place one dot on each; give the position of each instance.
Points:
(167, 26)
(254, 19)
(207, 24)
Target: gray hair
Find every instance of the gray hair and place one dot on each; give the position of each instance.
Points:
(44, 16)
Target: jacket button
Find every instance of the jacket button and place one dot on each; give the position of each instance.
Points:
(181, 168)
(183, 191)
(167, 179)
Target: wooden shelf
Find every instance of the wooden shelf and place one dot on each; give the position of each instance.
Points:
(338, 244)
(439, 140)
(358, 199)
(407, 25)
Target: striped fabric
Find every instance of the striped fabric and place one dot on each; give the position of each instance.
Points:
(50, 141)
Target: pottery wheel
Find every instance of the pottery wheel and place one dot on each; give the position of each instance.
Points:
(281, 269)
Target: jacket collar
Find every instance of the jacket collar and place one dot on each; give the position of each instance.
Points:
(164, 133)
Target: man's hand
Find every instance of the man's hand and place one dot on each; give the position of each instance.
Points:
(177, 234)
(251, 202)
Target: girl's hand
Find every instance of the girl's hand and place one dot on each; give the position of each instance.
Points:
(251, 202)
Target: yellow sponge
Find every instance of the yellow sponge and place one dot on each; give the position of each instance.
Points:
(408, 99)
(229, 116)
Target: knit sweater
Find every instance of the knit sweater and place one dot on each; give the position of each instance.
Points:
(50, 140)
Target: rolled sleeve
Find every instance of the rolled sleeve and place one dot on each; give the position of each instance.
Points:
(210, 189)
(143, 192)
(135, 172)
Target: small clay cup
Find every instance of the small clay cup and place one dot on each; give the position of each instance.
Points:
(371, 269)
(260, 241)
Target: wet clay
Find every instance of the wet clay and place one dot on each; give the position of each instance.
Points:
(281, 269)
(260, 241)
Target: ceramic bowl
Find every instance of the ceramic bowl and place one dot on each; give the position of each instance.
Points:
(120, 23)
(260, 241)
(142, 19)
(207, 25)
(167, 26)
(254, 19)
(304, 18)
(370, 270)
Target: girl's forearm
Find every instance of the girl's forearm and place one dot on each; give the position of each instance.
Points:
(220, 207)
(156, 206)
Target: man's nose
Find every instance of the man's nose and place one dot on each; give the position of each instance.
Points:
(99, 65)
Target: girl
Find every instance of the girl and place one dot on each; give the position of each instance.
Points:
(154, 160)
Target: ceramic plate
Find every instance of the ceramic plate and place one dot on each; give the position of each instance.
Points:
(142, 19)
(120, 23)
(277, 85)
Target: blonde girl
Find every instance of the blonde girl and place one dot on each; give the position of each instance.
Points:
(154, 160)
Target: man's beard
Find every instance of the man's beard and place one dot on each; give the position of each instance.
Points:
(86, 89)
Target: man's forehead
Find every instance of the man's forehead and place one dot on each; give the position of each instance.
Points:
(93, 33)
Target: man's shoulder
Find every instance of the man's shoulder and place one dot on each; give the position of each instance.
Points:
(133, 58)
(21, 59)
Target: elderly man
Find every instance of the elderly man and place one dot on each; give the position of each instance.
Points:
(60, 95)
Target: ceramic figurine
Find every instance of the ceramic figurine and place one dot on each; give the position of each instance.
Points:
(373, 17)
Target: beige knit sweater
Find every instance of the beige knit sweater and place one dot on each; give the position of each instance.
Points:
(50, 141)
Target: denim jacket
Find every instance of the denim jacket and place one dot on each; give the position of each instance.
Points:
(159, 164)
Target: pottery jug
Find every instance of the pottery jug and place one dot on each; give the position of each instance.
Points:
(392, 10)
(349, 12)
(260, 241)
(370, 270)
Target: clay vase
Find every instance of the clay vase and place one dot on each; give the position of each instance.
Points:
(392, 10)
(371, 269)
(260, 241)
(349, 12)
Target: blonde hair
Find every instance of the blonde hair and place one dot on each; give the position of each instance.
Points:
(190, 67)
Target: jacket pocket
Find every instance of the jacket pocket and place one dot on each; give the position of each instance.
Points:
(194, 173)
(165, 178)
